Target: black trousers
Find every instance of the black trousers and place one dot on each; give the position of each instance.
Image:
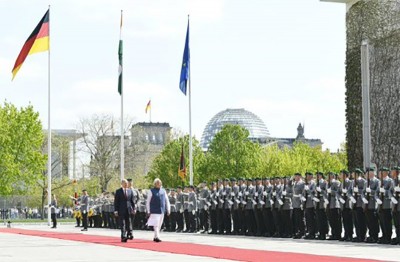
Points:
(192, 221)
(258, 212)
(372, 223)
(268, 221)
(78, 221)
(85, 220)
(54, 219)
(203, 220)
(179, 220)
(220, 220)
(385, 216)
(227, 220)
(396, 220)
(250, 221)
(322, 221)
(125, 224)
(165, 222)
(360, 223)
(335, 222)
(104, 216)
(298, 221)
(236, 221)
(287, 222)
(186, 216)
(347, 222)
(213, 221)
(310, 221)
(172, 221)
(243, 220)
(276, 213)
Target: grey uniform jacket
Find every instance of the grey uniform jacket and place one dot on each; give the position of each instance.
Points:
(212, 198)
(192, 202)
(287, 199)
(249, 196)
(172, 203)
(322, 196)
(361, 184)
(227, 197)
(220, 197)
(388, 186)
(310, 194)
(203, 197)
(374, 185)
(268, 196)
(84, 203)
(348, 185)
(278, 196)
(179, 202)
(236, 198)
(53, 205)
(298, 189)
(258, 196)
(334, 195)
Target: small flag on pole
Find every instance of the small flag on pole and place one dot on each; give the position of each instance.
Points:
(120, 49)
(185, 70)
(148, 107)
(37, 42)
(182, 166)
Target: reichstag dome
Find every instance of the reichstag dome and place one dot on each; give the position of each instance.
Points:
(257, 128)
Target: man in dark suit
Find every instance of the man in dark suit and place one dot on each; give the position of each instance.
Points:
(124, 206)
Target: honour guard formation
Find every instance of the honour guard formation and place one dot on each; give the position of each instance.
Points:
(357, 206)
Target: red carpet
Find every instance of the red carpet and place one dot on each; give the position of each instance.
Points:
(186, 248)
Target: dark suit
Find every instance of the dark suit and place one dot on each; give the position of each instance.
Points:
(125, 206)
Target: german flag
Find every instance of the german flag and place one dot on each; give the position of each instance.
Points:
(148, 107)
(37, 42)
(182, 167)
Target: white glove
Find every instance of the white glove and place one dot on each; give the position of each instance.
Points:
(379, 201)
(353, 200)
(326, 201)
(394, 200)
(306, 188)
(244, 203)
(264, 193)
(329, 191)
(215, 202)
(246, 193)
(240, 194)
(274, 193)
(254, 202)
(230, 202)
(221, 201)
(368, 190)
(116, 213)
(193, 212)
(303, 199)
(365, 201)
(232, 194)
(397, 189)
(319, 189)
(84, 212)
(237, 201)
(280, 202)
(256, 194)
(316, 199)
(272, 202)
(217, 194)
(356, 190)
(262, 202)
(382, 190)
(344, 190)
(205, 208)
(342, 201)
(223, 193)
(284, 193)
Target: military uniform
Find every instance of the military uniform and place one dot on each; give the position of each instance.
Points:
(287, 209)
(250, 202)
(228, 203)
(173, 214)
(213, 199)
(203, 208)
(334, 209)
(360, 184)
(258, 209)
(276, 207)
(236, 199)
(371, 212)
(298, 213)
(267, 210)
(396, 207)
(385, 215)
(320, 207)
(179, 210)
(192, 209)
(309, 195)
(347, 196)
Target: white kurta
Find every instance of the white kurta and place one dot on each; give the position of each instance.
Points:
(157, 219)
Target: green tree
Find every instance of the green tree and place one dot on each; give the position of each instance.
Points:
(232, 154)
(165, 166)
(21, 158)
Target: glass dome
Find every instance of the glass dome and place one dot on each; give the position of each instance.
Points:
(258, 130)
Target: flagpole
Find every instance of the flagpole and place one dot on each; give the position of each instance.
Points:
(48, 137)
(190, 126)
(150, 110)
(122, 112)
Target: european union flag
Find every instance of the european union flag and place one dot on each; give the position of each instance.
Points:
(185, 64)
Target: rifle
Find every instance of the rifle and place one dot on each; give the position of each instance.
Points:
(382, 195)
(318, 193)
(344, 194)
(368, 194)
(355, 186)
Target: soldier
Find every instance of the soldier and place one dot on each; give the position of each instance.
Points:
(179, 209)
(334, 207)
(309, 194)
(104, 209)
(360, 184)
(173, 214)
(84, 200)
(203, 207)
(192, 209)
(349, 201)
(321, 204)
(396, 206)
(236, 207)
(242, 206)
(287, 208)
(212, 198)
(276, 208)
(186, 215)
(250, 203)
(298, 212)
(220, 207)
(373, 202)
(227, 216)
(267, 210)
(385, 214)
(258, 209)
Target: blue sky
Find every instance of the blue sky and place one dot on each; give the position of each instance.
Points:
(284, 60)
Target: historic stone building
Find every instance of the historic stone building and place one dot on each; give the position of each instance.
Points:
(378, 22)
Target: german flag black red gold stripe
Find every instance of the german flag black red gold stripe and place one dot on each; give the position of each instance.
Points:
(37, 42)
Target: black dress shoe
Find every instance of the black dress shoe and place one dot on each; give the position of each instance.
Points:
(124, 239)
(130, 236)
(157, 240)
(84, 229)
